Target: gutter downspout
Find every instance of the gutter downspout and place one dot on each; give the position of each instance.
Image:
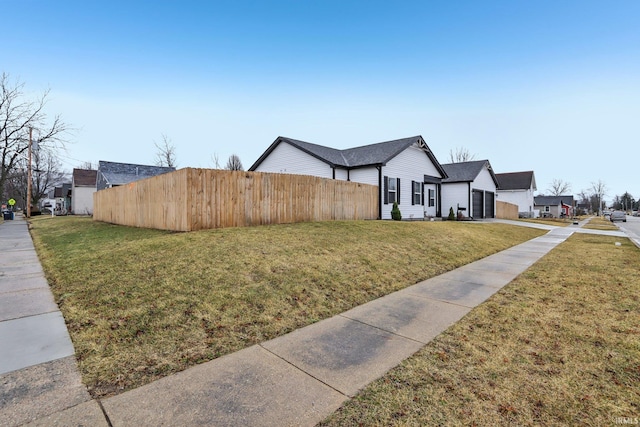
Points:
(470, 206)
(379, 191)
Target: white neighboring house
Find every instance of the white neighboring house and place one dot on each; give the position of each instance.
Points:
(405, 170)
(470, 189)
(83, 185)
(518, 188)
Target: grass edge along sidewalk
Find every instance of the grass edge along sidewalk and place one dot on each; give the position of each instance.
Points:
(142, 304)
(560, 345)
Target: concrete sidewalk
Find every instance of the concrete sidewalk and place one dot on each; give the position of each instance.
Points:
(296, 379)
(38, 372)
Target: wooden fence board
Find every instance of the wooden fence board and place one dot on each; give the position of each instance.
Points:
(506, 210)
(196, 199)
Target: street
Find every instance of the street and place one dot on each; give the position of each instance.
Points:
(631, 227)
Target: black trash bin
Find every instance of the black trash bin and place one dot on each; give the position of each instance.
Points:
(7, 215)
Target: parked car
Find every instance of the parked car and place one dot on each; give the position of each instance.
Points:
(618, 216)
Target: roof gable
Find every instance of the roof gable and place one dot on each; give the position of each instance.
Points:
(467, 171)
(516, 181)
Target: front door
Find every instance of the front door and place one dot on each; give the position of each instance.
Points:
(430, 200)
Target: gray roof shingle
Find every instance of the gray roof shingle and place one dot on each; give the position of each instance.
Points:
(553, 200)
(516, 180)
(84, 177)
(466, 171)
(366, 155)
(124, 173)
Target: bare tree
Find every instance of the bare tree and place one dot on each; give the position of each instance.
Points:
(584, 199)
(626, 201)
(559, 187)
(166, 155)
(17, 116)
(234, 163)
(87, 166)
(46, 175)
(216, 161)
(461, 155)
(594, 202)
(599, 190)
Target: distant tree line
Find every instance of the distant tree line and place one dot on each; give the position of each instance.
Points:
(24, 122)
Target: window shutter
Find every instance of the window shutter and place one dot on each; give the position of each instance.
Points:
(413, 192)
(398, 190)
(422, 195)
(385, 189)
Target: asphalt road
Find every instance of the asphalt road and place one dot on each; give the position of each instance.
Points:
(632, 226)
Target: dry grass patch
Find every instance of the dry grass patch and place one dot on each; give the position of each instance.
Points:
(141, 304)
(560, 345)
(600, 223)
(558, 222)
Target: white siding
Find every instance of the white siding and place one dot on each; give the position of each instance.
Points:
(522, 198)
(286, 158)
(484, 181)
(455, 195)
(342, 174)
(460, 193)
(410, 165)
(364, 175)
(82, 200)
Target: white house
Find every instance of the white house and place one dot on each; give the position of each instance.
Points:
(83, 185)
(405, 170)
(470, 189)
(518, 188)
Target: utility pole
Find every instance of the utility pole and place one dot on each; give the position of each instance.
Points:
(29, 176)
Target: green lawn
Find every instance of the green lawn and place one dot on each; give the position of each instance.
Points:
(560, 345)
(141, 304)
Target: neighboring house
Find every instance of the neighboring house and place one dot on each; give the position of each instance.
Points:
(470, 189)
(83, 185)
(62, 199)
(405, 170)
(112, 174)
(518, 188)
(583, 209)
(554, 206)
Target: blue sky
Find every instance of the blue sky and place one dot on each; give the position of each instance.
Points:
(549, 86)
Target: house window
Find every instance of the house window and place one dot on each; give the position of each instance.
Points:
(417, 193)
(547, 209)
(432, 198)
(392, 190)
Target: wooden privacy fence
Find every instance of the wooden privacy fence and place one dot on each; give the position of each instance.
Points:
(196, 199)
(506, 210)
